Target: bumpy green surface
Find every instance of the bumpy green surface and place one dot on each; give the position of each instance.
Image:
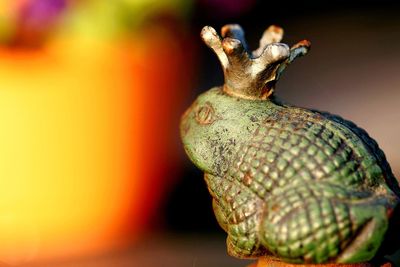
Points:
(305, 186)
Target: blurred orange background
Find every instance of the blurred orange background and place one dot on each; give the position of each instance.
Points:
(85, 115)
(91, 91)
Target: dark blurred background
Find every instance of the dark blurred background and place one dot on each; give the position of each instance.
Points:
(160, 212)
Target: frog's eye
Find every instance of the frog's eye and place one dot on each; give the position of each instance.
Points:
(205, 114)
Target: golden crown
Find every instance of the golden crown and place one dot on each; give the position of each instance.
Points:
(252, 74)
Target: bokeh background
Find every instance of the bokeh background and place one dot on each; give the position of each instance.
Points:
(92, 172)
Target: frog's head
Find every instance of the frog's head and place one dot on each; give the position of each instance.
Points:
(221, 119)
(214, 126)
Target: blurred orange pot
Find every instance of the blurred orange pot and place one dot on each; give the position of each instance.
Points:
(83, 141)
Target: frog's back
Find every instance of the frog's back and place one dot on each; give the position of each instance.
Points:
(295, 145)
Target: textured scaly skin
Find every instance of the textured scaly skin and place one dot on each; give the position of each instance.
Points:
(303, 188)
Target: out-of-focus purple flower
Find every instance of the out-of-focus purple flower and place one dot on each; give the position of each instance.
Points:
(39, 13)
(36, 18)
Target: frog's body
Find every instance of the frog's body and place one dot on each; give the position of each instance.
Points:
(301, 185)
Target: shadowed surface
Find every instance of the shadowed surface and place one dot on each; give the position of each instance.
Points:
(161, 250)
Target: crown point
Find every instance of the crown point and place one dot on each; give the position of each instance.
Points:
(231, 45)
(303, 43)
(275, 29)
(299, 49)
(208, 34)
(231, 30)
(273, 34)
(212, 40)
(234, 31)
(278, 51)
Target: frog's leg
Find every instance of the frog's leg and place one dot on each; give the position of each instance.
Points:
(371, 222)
(243, 239)
(320, 222)
(238, 211)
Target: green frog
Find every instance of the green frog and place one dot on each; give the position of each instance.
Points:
(300, 185)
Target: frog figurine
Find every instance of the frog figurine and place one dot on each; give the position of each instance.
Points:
(298, 185)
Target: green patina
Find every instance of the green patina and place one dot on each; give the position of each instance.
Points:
(301, 185)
